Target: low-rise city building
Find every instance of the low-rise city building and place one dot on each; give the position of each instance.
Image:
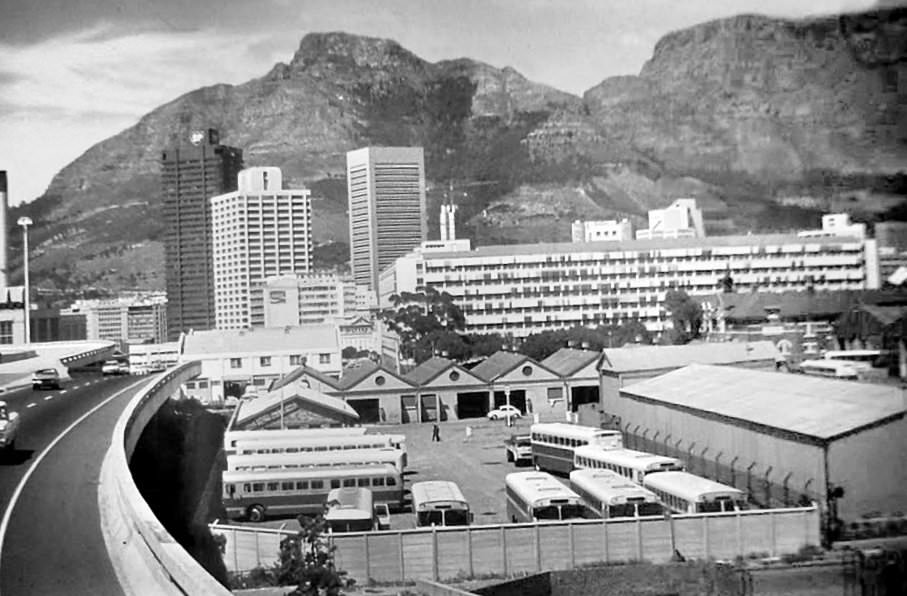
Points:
(619, 367)
(314, 298)
(234, 359)
(151, 358)
(783, 438)
(594, 231)
(129, 318)
(681, 219)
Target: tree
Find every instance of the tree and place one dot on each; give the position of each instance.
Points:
(307, 561)
(686, 315)
(416, 316)
(484, 345)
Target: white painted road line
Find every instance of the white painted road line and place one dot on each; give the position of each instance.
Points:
(31, 405)
(4, 523)
(62, 391)
(48, 398)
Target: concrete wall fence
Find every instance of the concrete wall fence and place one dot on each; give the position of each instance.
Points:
(440, 554)
(146, 558)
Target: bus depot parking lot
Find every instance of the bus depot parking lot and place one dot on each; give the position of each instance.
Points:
(478, 464)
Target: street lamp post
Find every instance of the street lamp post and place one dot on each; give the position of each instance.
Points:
(25, 222)
(507, 401)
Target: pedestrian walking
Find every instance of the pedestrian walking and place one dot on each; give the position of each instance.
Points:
(435, 432)
(468, 434)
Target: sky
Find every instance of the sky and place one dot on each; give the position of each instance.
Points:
(74, 72)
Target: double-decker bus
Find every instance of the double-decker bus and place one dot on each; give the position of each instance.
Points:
(838, 369)
(304, 444)
(553, 443)
(352, 509)
(439, 503)
(232, 436)
(539, 496)
(254, 495)
(346, 457)
(682, 492)
(629, 463)
(611, 495)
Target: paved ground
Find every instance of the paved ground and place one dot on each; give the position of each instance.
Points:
(477, 466)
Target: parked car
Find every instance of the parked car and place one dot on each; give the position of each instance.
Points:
(519, 449)
(114, 367)
(504, 411)
(9, 428)
(46, 378)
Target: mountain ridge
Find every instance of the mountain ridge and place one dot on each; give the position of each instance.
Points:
(733, 112)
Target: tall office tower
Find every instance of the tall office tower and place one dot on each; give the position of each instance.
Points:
(258, 231)
(191, 174)
(387, 208)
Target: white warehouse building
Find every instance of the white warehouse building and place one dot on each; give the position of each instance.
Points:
(529, 288)
(784, 438)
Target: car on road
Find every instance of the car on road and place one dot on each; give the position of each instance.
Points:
(114, 367)
(46, 378)
(503, 412)
(9, 427)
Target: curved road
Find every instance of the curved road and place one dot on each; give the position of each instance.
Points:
(52, 542)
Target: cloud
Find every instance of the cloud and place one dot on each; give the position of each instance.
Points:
(61, 95)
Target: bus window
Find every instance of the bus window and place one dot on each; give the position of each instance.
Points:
(391, 481)
(258, 487)
(335, 483)
(349, 482)
(272, 486)
(378, 481)
(362, 482)
(317, 484)
(286, 485)
(302, 485)
(247, 488)
(432, 517)
(457, 517)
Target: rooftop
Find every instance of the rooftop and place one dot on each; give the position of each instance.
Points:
(666, 357)
(567, 361)
(605, 246)
(815, 407)
(250, 409)
(300, 372)
(428, 370)
(262, 340)
(497, 364)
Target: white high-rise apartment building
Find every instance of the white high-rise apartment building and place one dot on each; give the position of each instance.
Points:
(387, 208)
(258, 231)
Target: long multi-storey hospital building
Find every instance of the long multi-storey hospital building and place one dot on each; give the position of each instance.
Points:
(529, 288)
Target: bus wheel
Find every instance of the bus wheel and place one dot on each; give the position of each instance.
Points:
(256, 513)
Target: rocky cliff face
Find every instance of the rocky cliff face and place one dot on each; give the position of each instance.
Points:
(768, 98)
(747, 102)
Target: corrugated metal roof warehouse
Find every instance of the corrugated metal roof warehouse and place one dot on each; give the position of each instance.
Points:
(780, 436)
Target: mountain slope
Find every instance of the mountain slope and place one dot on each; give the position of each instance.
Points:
(734, 112)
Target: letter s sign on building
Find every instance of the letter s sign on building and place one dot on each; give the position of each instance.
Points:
(277, 297)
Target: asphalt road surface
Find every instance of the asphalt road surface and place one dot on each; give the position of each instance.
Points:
(50, 541)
